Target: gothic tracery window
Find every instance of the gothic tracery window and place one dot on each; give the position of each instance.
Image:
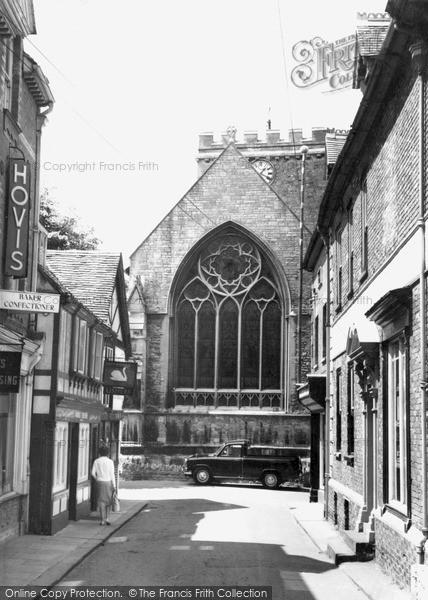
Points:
(229, 330)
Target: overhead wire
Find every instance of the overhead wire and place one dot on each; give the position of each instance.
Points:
(75, 111)
(107, 141)
(287, 87)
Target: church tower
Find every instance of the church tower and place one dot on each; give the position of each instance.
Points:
(219, 295)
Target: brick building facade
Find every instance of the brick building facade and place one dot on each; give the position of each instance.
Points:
(216, 299)
(25, 100)
(369, 265)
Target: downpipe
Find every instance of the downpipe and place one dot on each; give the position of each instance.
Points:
(418, 52)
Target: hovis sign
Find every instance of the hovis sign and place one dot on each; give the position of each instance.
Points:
(38, 302)
(18, 219)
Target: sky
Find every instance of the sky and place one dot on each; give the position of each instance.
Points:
(136, 82)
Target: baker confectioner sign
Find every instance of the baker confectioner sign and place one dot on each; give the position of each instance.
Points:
(33, 302)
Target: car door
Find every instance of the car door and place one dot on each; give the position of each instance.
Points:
(229, 462)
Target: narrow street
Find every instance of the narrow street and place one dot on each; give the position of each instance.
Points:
(218, 535)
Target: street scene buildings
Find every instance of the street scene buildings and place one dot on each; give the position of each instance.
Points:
(282, 300)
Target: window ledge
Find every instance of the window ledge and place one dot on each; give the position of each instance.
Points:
(363, 275)
(349, 459)
(338, 456)
(397, 512)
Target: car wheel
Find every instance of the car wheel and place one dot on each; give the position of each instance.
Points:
(202, 476)
(271, 481)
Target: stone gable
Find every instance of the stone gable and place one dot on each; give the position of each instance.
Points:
(230, 191)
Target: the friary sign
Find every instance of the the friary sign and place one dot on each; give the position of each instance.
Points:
(324, 62)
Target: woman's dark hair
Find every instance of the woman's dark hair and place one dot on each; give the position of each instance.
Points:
(104, 451)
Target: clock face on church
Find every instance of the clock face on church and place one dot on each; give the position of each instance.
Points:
(265, 169)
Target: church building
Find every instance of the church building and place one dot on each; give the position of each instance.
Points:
(215, 299)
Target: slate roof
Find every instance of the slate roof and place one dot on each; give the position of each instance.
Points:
(89, 275)
(334, 142)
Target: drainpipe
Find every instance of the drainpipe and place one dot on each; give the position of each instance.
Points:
(41, 118)
(325, 239)
(303, 151)
(40, 121)
(418, 52)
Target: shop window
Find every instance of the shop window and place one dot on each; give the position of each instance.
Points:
(64, 340)
(364, 230)
(339, 283)
(7, 438)
(82, 343)
(8, 72)
(229, 324)
(324, 330)
(350, 411)
(96, 355)
(338, 410)
(350, 252)
(60, 463)
(397, 423)
(316, 340)
(83, 459)
(80, 346)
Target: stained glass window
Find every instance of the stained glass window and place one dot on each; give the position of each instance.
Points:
(229, 329)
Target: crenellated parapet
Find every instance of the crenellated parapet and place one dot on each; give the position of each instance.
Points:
(272, 138)
(271, 147)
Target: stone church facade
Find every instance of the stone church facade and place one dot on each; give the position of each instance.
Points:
(215, 303)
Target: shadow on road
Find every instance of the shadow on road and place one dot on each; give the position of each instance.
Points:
(170, 544)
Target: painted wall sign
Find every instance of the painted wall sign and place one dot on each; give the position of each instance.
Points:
(18, 219)
(119, 377)
(324, 62)
(29, 301)
(10, 370)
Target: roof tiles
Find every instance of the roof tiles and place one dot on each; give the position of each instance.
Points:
(89, 275)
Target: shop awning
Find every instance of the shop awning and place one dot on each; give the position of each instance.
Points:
(312, 394)
(80, 410)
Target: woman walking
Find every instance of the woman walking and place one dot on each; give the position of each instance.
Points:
(103, 473)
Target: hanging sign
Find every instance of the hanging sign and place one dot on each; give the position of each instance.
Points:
(119, 377)
(324, 62)
(18, 219)
(34, 302)
(10, 370)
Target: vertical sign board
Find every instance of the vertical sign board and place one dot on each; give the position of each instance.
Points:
(18, 219)
(119, 377)
(10, 370)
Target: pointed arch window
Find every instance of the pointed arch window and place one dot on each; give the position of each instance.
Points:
(229, 330)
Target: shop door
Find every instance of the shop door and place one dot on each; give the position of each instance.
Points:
(74, 462)
(92, 457)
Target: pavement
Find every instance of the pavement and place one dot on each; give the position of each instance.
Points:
(43, 561)
(368, 576)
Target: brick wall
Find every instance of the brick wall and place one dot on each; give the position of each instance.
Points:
(13, 516)
(389, 162)
(390, 167)
(394, 553)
